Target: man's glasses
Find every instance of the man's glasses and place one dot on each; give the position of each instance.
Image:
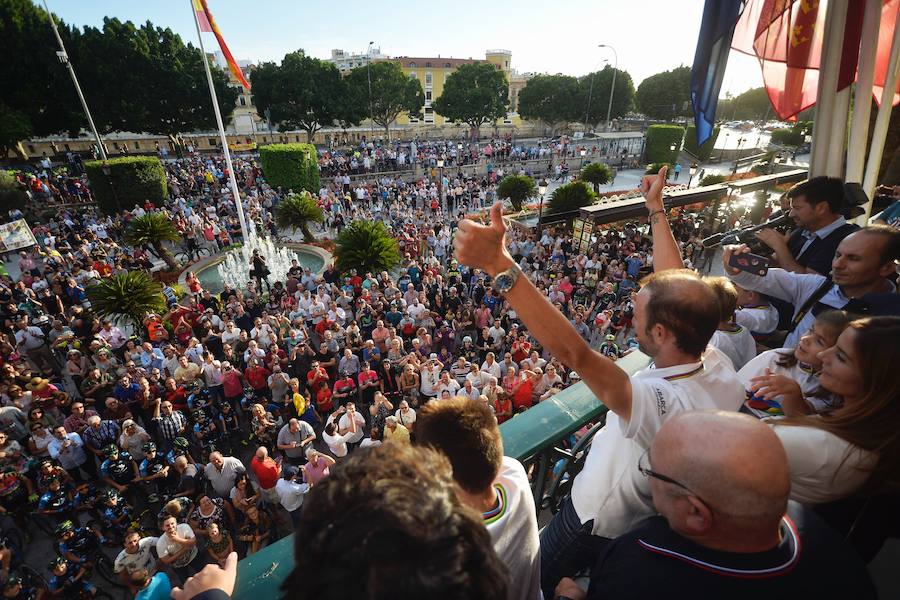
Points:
(646, 471)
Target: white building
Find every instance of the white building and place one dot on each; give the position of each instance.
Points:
(346, 61)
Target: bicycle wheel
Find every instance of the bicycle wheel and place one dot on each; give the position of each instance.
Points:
(32, 578)
(104, 567)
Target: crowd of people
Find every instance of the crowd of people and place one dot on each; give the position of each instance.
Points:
(243, 415)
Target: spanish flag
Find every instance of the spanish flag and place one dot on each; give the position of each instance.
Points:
(207, 23)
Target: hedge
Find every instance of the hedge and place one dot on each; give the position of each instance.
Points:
(132, 180)
(787, 137)
(659, 139)
(703, 152)
(291, 166)
(712, 180)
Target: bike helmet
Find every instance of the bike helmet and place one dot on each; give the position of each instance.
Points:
(180, 443)
(108, 495)
(12, 581)
(149, 447)
(59, 561)
(110, 450)
(610, 337)
(199, 416)
(64, 527)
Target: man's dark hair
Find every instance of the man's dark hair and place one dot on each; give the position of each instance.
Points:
(682, 303)
(890, 236)
(386, 524)
(821, 189)
(467, 433)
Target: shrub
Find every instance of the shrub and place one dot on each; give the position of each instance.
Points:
(712, 180)
(653, 168)
(12, 194)
(132, 180)
(596, 174)
(518, 188)
(297, 211)
(126, 298)
(291, 166)
(366, 246)
(659, 139)
(787, 137)
(571, 196)
(703, 152)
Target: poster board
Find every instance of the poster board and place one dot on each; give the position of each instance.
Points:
(16, 234)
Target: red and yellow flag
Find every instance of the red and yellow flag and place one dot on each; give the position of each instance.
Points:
(207, 23)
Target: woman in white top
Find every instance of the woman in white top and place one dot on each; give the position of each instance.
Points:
(857, 446)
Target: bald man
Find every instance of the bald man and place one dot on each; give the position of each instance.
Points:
(720, 482)
(675, 315)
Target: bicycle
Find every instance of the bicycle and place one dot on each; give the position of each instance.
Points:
(200, 252)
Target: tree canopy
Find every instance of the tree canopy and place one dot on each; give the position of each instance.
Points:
(598, 95)
(393, 92)
(301, 93)
(751, 105)
(552, 99)
(474, 94)
(666, 95)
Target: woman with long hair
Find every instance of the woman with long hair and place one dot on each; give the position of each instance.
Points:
(854, 448)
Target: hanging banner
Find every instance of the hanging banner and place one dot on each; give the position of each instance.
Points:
(16, 234)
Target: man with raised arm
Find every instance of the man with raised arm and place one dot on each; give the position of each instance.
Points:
(675, 315)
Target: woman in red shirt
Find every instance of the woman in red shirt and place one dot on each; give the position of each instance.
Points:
(503, 407)
(258, 378)
(523, 395)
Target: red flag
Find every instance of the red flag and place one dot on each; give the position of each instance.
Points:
(786, 36)
(201, 17)
(889, 13)
(212, 27)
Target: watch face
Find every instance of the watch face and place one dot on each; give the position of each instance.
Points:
(503, 282)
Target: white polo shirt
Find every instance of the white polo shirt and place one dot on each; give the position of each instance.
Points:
(610, 489)
(738, 345)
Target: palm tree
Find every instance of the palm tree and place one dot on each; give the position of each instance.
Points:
(518, 188)
(154, 228)
(571, 196)
(297, 211)
(126, 298)
(366, 246)
(596, 174)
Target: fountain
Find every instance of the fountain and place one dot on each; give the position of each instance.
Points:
(234, 270)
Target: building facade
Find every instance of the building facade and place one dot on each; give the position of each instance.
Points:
(347, 61)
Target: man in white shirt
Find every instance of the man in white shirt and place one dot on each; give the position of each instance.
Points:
(491, 366)
(406, 416)
(352, 423)
(494, 485)
(291, 493)
(429, 376)
(333, 438)
(675, 315)
(136, 555)
(221, 471)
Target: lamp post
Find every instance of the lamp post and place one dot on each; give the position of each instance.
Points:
(612, 88)
(738, 158)
(107, 172)
(692, 171)
(369, 80)
(440, 165)
(542, 190)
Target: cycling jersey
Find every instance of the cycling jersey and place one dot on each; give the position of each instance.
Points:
(69, 584)
(82, 544)
(152, 466)
(119, 470)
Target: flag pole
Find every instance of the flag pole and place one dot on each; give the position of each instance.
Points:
(224, 141)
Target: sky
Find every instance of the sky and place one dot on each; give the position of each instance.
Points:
(649, 35)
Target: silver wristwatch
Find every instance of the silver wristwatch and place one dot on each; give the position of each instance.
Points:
(504, 281)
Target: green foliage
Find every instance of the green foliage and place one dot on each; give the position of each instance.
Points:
(366, 246)
(596, 174)
(552, 99)
(302, 93)
(14, 127)
(666, 95)
(752, 105)
(793, 136)
(518, 188)
(291, 166)
(297, 211)
(712, 180)
(660, 139)
(474, 94)
(126, 298)
(571, 196)
(623, 96)
(703, 152)
(393, 92)
(12, 195)
(154, 228)
(653, 168)
(132, 180)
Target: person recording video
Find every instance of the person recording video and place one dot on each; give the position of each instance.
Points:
(817, 205)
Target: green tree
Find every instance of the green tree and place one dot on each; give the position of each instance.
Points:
(297, 211)
(474, 94)
(154, 228)
(663, 143)
(132, 180)
(393, 92)
(126, 298)
(598, 95)
(12, 194)
(302, 93)
(571, 196)
(753, 104)
(552, 99)
(518, 188)
(666, 95)
(596, 174)
(14, 127)
(366, 246)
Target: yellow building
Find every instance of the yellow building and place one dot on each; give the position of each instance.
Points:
(432, 73)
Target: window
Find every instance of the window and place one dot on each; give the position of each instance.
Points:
(429, 114)
(242, 100)
(413, 120)
(31, 149)
(447, 66)
(427, 95)
(412, 65)
(212, 141)
(137, 145)
(116, 145)
(428, 79)
(428, 65)
(413, 75)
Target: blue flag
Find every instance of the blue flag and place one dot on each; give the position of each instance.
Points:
(713, 46)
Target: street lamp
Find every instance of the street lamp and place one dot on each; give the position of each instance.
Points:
(612, 88)
(369, 79)
(692, 171)
(542, 190)
(107, 172)
(440, 165)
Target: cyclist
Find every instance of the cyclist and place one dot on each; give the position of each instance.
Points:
(204, 429)
(117, 514)
(180, 447)
(68, 579)
(15, 491)
(15, 588)
(154, 469)
(77, 544)
(118, 470)
(47, 470)
(58, 500)
(609, 348)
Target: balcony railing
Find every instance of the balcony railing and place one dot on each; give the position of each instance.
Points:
(533, 437)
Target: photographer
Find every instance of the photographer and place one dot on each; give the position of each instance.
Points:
(817, 206)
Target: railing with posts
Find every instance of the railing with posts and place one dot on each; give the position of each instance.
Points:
(535, 437)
